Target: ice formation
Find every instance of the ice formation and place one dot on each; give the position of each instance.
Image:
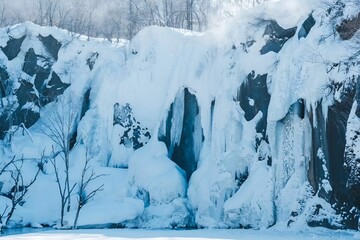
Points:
(250, 125)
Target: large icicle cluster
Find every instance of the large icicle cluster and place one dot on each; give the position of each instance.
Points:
(250, 125)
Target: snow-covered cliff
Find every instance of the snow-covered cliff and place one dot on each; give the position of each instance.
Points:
(252, 124)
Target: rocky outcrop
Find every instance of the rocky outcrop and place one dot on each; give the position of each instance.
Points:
(24, 95)
(306, 27)
(134, 136)
(253, 97)
(12, 48)
(348, 27)
(51, 45)
(276, 36)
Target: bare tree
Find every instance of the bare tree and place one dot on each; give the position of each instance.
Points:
(83, 196)
(189, 14)
(63, 12)
(91, 6)
(63, 186)
(20, 187)
(131, 19)
(115, 19)
(2, 13)
(60, 127)
(51, 9)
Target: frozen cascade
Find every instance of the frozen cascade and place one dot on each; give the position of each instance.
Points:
(248, 125)
(291, 158)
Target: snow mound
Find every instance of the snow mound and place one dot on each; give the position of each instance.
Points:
(252, 205)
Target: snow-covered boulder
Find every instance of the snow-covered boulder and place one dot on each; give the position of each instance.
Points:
(252, 205)
(161, 184)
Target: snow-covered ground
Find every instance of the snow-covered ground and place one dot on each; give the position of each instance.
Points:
(319, 234)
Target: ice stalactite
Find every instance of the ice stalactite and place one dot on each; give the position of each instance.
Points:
(183, 133)
(291, 153)
(224, 163)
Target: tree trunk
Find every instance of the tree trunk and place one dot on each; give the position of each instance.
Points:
(77, 216)
(62, 213)
(67, 163)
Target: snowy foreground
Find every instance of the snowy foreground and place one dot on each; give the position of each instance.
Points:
(319, 234)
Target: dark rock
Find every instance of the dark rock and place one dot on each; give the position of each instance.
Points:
(123, 115)
(86, 103)
(40, 80)
(54, 88)
(338, 115)
(255, 89)
(320, 154)
(31, 61)
(348, 27)
(240, 177)
(298, 108)
(328, 137)
(51, 45)
(277, 37)
(245, 46)
(4, 76)
(212, 108)
(357, 97)
(134, 135)
(320, 222)
(5, 124)
(13, 47)
(73, 139)
(184, 153)
(352, 160)
(26, 116)
(26, 93)
(92, 60)
(306, 27)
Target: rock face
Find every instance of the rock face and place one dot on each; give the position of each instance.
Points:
(306, 27)
(276, 37)
(135, 136)
(352, 159)
(349, 27)
(12, 48)
(23, 97)
(253, 97)
(51, 45)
